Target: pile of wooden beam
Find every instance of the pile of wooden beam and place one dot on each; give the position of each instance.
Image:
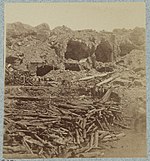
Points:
(53, 128)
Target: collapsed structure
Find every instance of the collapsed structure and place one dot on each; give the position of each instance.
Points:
(73, 83)
(61, 46)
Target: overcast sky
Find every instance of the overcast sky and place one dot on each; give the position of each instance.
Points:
(98, 16)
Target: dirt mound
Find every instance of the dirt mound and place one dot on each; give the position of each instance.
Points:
(18, 29)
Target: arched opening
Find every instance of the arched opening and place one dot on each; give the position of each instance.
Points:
(77, 50)
(104, 52)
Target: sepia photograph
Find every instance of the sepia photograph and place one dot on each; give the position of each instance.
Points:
(75, 80)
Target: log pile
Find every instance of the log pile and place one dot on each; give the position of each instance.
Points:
(59, 128)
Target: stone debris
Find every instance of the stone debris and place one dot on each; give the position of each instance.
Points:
(70, 92)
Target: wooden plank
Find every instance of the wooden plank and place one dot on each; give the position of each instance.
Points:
(106, 81)
(107, 95)
(94, 76)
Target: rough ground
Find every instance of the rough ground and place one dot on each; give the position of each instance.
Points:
(132, 142)
(87, 99)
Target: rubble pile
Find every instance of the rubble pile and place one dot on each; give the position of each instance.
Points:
(56, 47)
(82, 112)
(82, 115)
(52, 127)
(69, 92)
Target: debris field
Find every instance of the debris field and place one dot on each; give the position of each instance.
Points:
(76, 92)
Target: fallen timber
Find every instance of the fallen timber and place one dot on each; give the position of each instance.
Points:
(95, 76)
(50, 126)
(29, 98)
(57, 128)
(107, 80)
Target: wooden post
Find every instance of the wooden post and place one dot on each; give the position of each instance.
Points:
(96, 134)
(91, 140)
(83, 126)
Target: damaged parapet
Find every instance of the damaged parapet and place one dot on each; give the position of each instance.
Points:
(88, 48)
